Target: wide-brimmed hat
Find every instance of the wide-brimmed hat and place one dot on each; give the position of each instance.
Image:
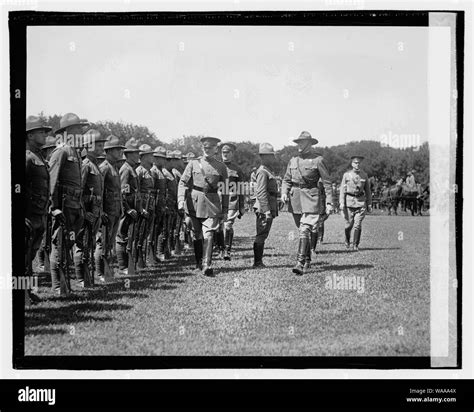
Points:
(50, 142)
(70, 119)
(159, 151)
(145, 149)
(113, 142)
(177, 154)
(210, 140)
(93, 136)
(266, 148)
(357, 157)
(169, 154)
(190, 156)
(35, 123)
(306, 136)
(131, 145)
(228, 146)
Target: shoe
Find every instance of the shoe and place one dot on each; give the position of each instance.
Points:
(122, 272)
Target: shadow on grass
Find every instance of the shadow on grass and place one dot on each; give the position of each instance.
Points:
(44, 331)
(346, 267)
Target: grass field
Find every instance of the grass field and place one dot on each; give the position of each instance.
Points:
(172, 310)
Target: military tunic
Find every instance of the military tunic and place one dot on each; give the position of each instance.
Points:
(202, 179)
(36, 199)
(146, 185)
(266, 192)
(355, 197)
(160, 204)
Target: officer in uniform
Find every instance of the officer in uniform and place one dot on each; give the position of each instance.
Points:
(66, 188)
(36, 192)
(202, 179)
(236, 196)
(307, 168)
(266, 204)
(92, 193)
(356, 200)
(146, 185)
(159, 155)
(112, 203)
(130, 202)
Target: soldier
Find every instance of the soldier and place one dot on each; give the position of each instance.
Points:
(159, 155)
(266, 204)
(202, 179)
(112, 207)
(356, 199)
(236, 196)
(36, 193)
(66, 191)
(92, 192)
(130, 202)
(121, 161)
(177, 170)
(48, 147)
(169, 221)
(301, 182)
(146, 186)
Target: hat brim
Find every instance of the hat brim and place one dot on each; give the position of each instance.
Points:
(114, 147)
(159, 155)
(45, 128)
(214, 140)
(357, 157)
(145, 153)
(131, 150)
(312, 140)
(266, 153)
(61, 129)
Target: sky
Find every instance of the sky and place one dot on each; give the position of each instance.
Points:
(262, 84)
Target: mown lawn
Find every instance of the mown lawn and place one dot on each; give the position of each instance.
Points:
(172, 310)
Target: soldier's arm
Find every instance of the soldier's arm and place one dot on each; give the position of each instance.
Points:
(125, 187)
(261, 191)
(55, 164)
(325, 178)
(287, 183)
(84, 173)
(185, 182)
(225, 195)
(368, 192)
(241, 198)
(342, 191)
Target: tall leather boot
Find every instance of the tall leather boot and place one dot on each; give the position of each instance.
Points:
(207, 258)
(229, 236)
(301, 258)
(348, 237)
(198, 246)
(314, 241)
(258, 249)
(321, 233)
(220, 243)
(357, 233)
(307, 263)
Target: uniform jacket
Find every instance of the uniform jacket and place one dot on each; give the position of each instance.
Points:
(301, 183)
(112, 189)
(92, 178)
(160, 187)
(235, 176)
(202, 179)
(171, 191)
(65, 177)
(266, 192)
(37, 184)
(129, 188)
(355, 187)
(146, 185)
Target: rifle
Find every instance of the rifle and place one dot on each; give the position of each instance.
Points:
(141, 235)
(64, 257)
(108, 276)
(47, 244)
(88, 241)
(131, 245)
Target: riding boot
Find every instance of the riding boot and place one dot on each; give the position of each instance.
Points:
(229, 235)
(357, 233)
(207, 263)
(220, 243)
(314, 241)
(307, 263)
(198, 246)
(348, 237)
(258, 255)
(321, 233)
(303, 248)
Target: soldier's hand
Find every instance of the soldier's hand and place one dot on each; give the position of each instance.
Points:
(369, 209)
(284, 197)
(90, 217)
(328, 208)
(105, 219)
(268, 215)
(58, 216)
(180, 205)
(223, 217)
(241, 213)
(132, 213)
(145, 213)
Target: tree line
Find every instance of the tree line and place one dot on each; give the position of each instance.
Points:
(382, 162)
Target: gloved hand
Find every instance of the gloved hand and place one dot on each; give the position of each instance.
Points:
(145, 213)
(284, 197)
(329, 208)
(181, 205)
(105, 219)
(132, 213)
(58, 216)
(90, 217)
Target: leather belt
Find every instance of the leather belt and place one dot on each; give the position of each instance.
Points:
(304, 186)
(356, 195)
(204, 190)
